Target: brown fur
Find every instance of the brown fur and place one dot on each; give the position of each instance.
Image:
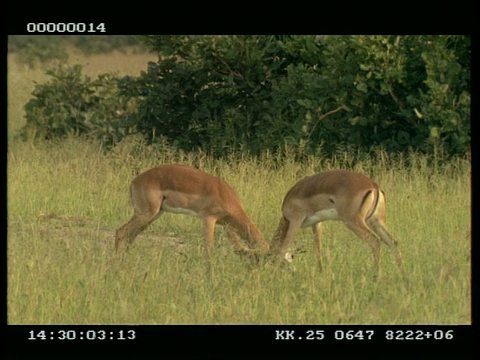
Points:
(174, 187)
(335, 195)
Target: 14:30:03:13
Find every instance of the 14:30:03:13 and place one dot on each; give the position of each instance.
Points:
(81, 335)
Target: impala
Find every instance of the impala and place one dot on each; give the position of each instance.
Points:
(185, 190)
(335, 195)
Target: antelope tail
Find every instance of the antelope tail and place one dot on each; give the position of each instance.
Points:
(374, 205)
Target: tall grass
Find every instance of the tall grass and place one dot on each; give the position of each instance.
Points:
(66, 199)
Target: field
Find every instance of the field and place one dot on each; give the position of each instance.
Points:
(66, 199)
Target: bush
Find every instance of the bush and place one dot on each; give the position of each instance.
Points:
(72, 103)
(224, 93)
(318, 94)
(44, 48)
(207, 93)
(32, 49)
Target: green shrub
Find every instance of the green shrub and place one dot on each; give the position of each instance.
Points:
(317, 94)
(72, 103)
(44, 48)
(224, 93)
(37, 48)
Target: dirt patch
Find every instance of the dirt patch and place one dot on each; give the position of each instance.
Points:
(69, 228)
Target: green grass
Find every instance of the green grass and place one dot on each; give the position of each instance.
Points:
(66, 199)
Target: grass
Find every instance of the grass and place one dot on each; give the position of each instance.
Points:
(63, 214)
(65, 200)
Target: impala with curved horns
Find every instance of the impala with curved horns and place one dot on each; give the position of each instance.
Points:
(342, 195)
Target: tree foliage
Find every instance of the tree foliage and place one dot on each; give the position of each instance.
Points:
(315, 93)
(72, 103)
(34, 49)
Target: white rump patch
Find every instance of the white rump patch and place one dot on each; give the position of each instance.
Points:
(325, 214)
